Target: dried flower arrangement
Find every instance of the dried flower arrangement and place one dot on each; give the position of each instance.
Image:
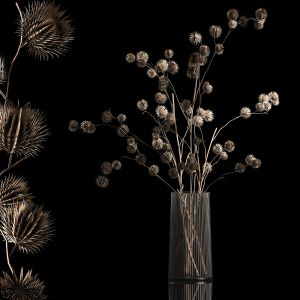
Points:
(45, 32)
(178, 134)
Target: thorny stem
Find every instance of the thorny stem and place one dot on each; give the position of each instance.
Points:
(16, 55)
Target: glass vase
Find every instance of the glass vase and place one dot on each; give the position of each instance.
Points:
(190, 259)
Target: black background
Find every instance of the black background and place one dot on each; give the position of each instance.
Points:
(114, 243)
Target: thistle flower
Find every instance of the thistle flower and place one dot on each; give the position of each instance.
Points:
(123, 130)
(102, 182)
(121, 118)
(161, 111)
(198, 121)
(173, 67)
(168, 53)
(87, 127)
(249, 159)
(13, 189)
(106, 117)
(186, 104)
(204, 50)
(267, 106)
(116, 165)
(142, 105)
(130, 58)
(215, 31)
(208, 115)
(46, 30)
(151, 73)
(153, 170)
(73, 125)
(130, 141)
(217, 149)
(160, 98)
(22, 130)
(207, 87)
(141, 159)
(232, 14)
(142, 57)
(245, 112)
(219, 49)
(229, 146)
(3, 74)
(263, 98)
(195, 38)
(27, 287)
(26, 227)
(106, 168)
(161, 66)
(239, 167)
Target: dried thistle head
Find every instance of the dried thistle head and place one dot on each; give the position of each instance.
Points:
(87, 127)
(173, 67)
(142, 57)
(121, 118)
(229, 146)
(116, 165)
(22, 129)
(161, 66)
(219, 49)
(217, 149)
(73, 125)
(27, 227)
(232, 14)
(106, 168)
(215, 31)
(141, 159)
(151, 73)
(106, 117)
(245, 112)
(3, 74)
(142, 105)
(168, 53)
(102, 182)
(45, 29)
(153, 170)
(173, 173)
(207, 87)
(161, 98)
(123, 130)
(130, 58)
(239, 167)
(12, 190)
(22, 287)
(195, 38)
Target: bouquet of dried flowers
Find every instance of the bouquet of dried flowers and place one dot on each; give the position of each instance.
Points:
(45, 32)
(179, 132)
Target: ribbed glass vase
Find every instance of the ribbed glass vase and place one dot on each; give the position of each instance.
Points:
(190, 259)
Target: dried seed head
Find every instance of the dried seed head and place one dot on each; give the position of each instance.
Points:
(173, 67)
(153, 170)
(259, 24)
(219, 49)
(223, 155)
(130, 141)
(160, 98)
(261, 14)
(142, 57)
(198, 121)
(166, 126)
(207, 87)
(217, 149)
(208, 115)
(186, 104)
(106, 117)
(193, 71)
(263, 98)
(239, 167)
(168, 53)
(131, 148)
(3, 74)
(215, 31)
(232, 24)
(161, 111)
(130, 58)
(232, 14)
(204, 50)
(121, 118)
(151, 73)
(102, 182)
(260, 107)
(116, 165)
(249, 159)
(207, 168)
(163, 83)
(142, 105)
(245, 112)
(255, 163)
(123, 130)
(194, 58)
(267, 106)
(172, 173)
(274, 98)
(157, 144)
(243, 21)
(166, 157)
(73, 125)
(87, 127)
(106, 168)
(195, 38)
(156, 130)
(141, 159)
(161, 66)
(171, 118)
(229, 146)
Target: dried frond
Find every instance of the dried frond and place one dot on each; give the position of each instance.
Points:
(13, 189)
(22, 129)
(27, 227)
(46, 30)
(27, 287)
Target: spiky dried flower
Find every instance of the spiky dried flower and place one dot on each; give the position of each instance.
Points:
(243, 21)
(22, 129)
(232, 14)
(261, 14)
(106, 117)
(13, 189)
(171, 119)
(160, 98)
(267, 106)
(141, 159)
(130, 58)
(88, 127)
(132, 148)
(207, 168)
(173, 173)
(207, 87)
(195, 38)
(106, 168)
(259, 24)
(274, 98)
(161, 66)
(232, 24)
(186, 104)
(121, 118)
(204, 50)
(153, 170)
(194, 58)
(249, 159)
(260, 106)
(3, 74)
(256, 163)
(161, 111)
(263, 98)
(207, 115)
(166, 157)
(215, 31)
(157, 144)
(123, 130)
(223, 155)
(198, 121)
(73, 125)
(219, 49)
(102, 182)
(27, 287)
(173, 67)
(151, 73)
(142, 57)
(239, 167)
(116, 165)
(217, 149)
(142, 105)
(130, 140)
(28, 228)
(229, 146)
(46, 30)
(168, 53)
(245, 112)
(163, 83)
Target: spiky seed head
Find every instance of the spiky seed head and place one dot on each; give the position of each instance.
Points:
(132, 148)
(102, 182)
(27, 227)
(207, 87)
(166, 157)
(207, 167)
(173, 67)
(219, 49)
(194, 58)
(259, 106)
(223, 155)
(123, 130)
(232, 24)
(243, 21)
(198, 121)
(245, 112)
(186, 104)
(141, 159)
(239, 167)
(13, 189)
(195, 38)
(121, 118)
(3, 74)
(46, 30)
(151, 73)
(261, 14)
(274, 98)
(116, 165)
(106, 117)
(208, 115)
(215, 31)
(106, 168)
(249, 159)
(168, 53)
(157, 144)
(255, 163)
(161, 111)
(171, 119)
(142, 105)
(161, 98)
(88, 127)
(204, 50)
(163, 83)
(229, 146)
(28, 287)
(153, 170)
(217, 149)
(173, 173)
(130, 58)
(161, 66)
(232, 14)
(142, 57)
(73, 125)
(263, 98)
(22, 129)
(130, 140)
(267, 106)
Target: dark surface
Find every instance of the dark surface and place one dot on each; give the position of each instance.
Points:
(115, 242)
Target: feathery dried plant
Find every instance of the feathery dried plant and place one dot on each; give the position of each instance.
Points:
(45, 31)
(178, 134)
